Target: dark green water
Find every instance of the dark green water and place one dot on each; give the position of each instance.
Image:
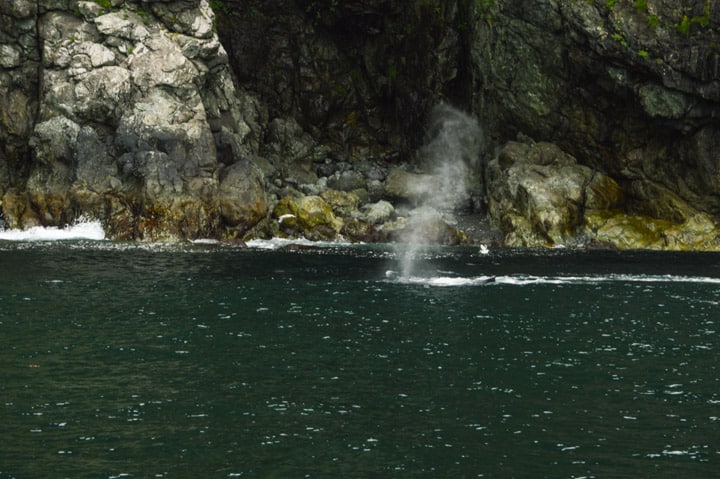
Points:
(203, 362)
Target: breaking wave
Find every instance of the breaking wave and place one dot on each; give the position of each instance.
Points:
(81, 229)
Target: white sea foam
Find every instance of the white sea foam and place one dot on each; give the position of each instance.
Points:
(205, 241)
(611, 278)
(81, 229)
(447, 281)
(279, 243)
(524, 280)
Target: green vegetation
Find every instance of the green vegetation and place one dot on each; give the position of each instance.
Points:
(641, 5)
(145, 15)
(684, 26)
(686, 23)
(316, 8)
(653, 21)
(219, 6)
(643, 54)
(619, 38)
(106, 4)
(485, 7)
(392, 72)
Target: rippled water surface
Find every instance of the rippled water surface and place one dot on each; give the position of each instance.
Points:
(206, 361)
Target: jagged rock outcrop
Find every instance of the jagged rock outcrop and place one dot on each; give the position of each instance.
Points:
(130, 115)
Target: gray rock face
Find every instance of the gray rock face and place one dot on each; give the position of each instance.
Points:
(542, 197)
(539, 194)
(629, 89)
(133, 102)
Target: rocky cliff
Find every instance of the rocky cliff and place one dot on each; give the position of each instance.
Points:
(585, 122)
(123, 111)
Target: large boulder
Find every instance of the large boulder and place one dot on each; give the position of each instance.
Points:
(344, 204)
(538, 194)
(405, 186)
(310, 217)
(380, 212)
(424, 226)
(241, 197)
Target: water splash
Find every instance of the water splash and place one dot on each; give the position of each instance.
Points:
(453, 143)
(82, 228)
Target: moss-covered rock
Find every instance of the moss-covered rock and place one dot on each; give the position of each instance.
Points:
(625, 231)
(343, 203)
(241, 197)
(308, 216)
(356, 230)
(539, 194)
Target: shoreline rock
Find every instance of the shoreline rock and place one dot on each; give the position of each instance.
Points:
(170, 121)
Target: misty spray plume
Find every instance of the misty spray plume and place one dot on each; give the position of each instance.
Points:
(453, 143)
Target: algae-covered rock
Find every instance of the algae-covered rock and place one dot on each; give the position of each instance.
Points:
(308, 216)
(343, 203)
(699, 233)
(539, 194)
(241, 196)
(625, 231)
(541, 197)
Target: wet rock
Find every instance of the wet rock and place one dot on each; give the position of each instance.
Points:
(425, 226)
(122, 112)
(344, 204)
(543, 198)
(308, 216)
(624, 231)
(539, 194)
(241, 197)
(380, 212)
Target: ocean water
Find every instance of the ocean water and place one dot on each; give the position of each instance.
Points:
(293, 360)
